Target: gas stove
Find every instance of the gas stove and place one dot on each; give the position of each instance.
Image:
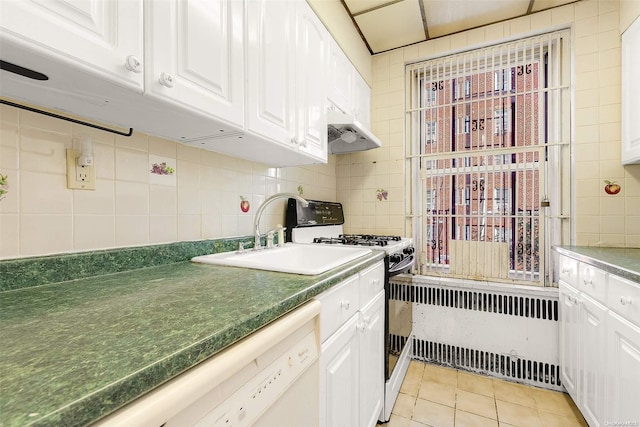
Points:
(322, 223)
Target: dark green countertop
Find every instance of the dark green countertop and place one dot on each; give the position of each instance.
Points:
(72, 352)
(623, 262)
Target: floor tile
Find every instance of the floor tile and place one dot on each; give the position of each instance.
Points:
(433, 414)
(549, 419)
(466, 419)
(440, 374)
(514, 393)
(397, 421)
(438, 396)
(556, 402)
(475, 383)
(411, 383)
(445, 394)
(478, 404)
(404, 405)
(518, 415)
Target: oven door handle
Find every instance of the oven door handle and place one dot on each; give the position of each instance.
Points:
(402, 265)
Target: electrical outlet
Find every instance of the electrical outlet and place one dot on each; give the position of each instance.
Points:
(79, 177)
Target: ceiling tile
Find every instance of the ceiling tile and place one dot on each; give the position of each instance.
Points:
(446, 17)
(539, 5)
(397, 24)
(357, 6)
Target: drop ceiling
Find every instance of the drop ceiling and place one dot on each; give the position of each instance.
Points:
(386, 25)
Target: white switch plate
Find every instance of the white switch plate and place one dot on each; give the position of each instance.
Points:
(79, 177)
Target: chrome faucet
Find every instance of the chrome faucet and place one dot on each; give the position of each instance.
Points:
(256, 222)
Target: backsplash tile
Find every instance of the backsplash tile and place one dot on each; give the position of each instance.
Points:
(40, 216)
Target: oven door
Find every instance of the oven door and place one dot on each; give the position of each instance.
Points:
(399, 314)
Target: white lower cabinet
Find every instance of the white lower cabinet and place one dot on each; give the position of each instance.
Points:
(371, 363)
(352, 354)
(592, 354)
(600, 343)
(623, 357)
(569, 318)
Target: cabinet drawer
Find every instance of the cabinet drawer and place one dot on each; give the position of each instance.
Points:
(371, 282)
(568, 270)
(593, 282)
(624, 298)
(338, 305)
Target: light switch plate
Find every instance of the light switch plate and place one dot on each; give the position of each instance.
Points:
(79, 177)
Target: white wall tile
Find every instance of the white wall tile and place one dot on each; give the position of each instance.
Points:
(43, 151)
(9, 235)
(131, 198)
(132, 230)
(132, 165)
(163, 228)
(100, 201)
(93, 231)
(162, 200)
(45, 234)
(44, 193)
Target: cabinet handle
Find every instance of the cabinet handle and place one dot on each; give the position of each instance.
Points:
(303, 143)
(566, 271)
(626, 300)
(345, 304)
(167, 80)
(133, 64)
(588, 282)
(295, 140)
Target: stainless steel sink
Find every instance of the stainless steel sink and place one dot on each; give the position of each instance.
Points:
(298, 258)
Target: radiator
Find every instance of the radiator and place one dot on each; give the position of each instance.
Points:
(504, 331)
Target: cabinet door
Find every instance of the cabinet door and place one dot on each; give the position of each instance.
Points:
(623, 365)
(311, 91)
(569, 333)
(96, 35)
(371, 361)
(362, 100)
(592, 360)
(194, 51)
(341, 72)
(270, 72)
(631, 94)
(339, 377)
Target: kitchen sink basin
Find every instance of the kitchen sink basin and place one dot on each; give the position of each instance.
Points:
(298, 258)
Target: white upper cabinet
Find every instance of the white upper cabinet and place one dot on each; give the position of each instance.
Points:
(101, 37)
(270, 72)
(195, 57)
(311, 90)
(347, 90)
(285, 109)
(631, 94)
(362, 100)
(247, 78)
(340, 90)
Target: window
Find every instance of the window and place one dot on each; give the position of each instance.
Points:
(502, 121)
(501, 198)
(502, 80)
(496, 155)
(431, 132)
(430, 200)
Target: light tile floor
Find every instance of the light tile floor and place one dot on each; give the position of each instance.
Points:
(437, 396)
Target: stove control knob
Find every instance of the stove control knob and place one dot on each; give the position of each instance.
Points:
(408, 250)
(395, 257)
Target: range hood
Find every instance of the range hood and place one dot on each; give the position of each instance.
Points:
(347, 135)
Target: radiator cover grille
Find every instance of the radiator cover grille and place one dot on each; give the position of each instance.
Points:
(508, 334)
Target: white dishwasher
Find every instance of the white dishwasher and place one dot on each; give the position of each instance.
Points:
(269, 379)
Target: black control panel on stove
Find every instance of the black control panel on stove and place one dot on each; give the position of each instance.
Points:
(318, 213)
